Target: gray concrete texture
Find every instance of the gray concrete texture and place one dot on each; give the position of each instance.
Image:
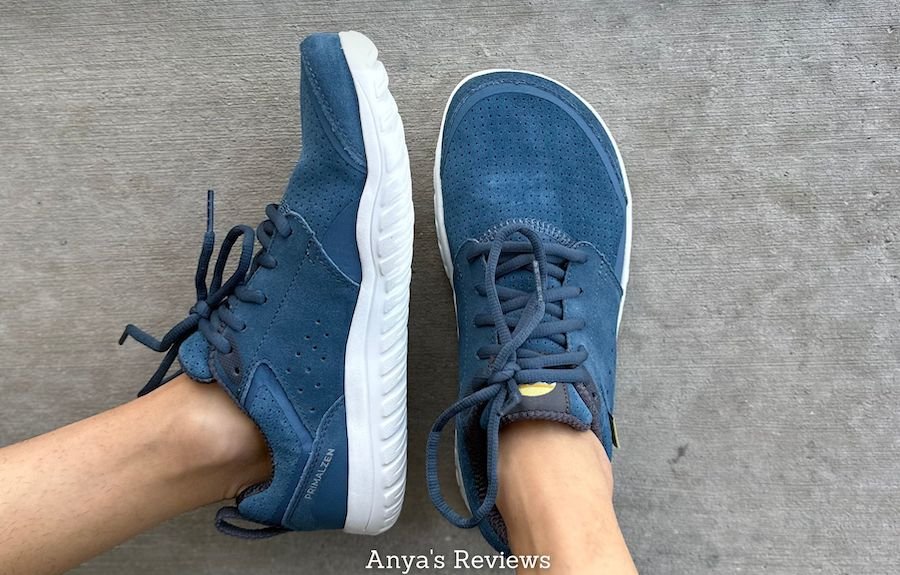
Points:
(758, 399)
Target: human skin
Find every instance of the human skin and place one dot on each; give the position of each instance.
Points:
(555, 497)
(75, 492)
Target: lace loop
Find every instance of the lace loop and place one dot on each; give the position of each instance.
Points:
(518, 317)
(211, 313)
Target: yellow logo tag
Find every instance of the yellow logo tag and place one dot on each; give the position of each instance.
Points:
(536, 389)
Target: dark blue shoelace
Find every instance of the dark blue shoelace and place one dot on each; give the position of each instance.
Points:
(211, 311)
(519, 317)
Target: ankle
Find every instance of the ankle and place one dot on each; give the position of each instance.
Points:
(555, 489)
(214, 438)
(547, 451)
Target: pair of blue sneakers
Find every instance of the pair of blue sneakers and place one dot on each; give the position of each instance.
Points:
(309, 335)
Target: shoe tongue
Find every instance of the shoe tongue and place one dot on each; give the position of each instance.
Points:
(550, 401)
(544, 400)
(193, 355)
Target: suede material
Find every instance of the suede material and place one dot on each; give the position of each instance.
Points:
(466, 275)
(302, 339)
(317, 490)
(600, 304)
(521, 149)
(577, 407)
(324, 71)
(516, 147)
(289, 440)
(193, 355)
(320, 501)
(286, 367)
(331, 172)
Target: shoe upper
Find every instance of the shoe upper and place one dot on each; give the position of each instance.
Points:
(277, 342)
(534, 205)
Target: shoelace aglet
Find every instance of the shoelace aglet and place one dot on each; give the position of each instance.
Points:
(210, 209)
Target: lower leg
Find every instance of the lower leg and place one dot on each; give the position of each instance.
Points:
(75, 492)
(556, 499)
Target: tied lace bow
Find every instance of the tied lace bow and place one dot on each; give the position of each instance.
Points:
(511, 360)
(211, 311)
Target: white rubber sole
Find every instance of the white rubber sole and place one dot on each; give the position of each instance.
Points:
(375, 364)
(444, 243)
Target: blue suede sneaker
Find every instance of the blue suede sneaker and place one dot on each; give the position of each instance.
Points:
(309, 336)
(533, 216)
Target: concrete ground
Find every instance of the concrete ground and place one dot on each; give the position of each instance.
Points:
(758, 403)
